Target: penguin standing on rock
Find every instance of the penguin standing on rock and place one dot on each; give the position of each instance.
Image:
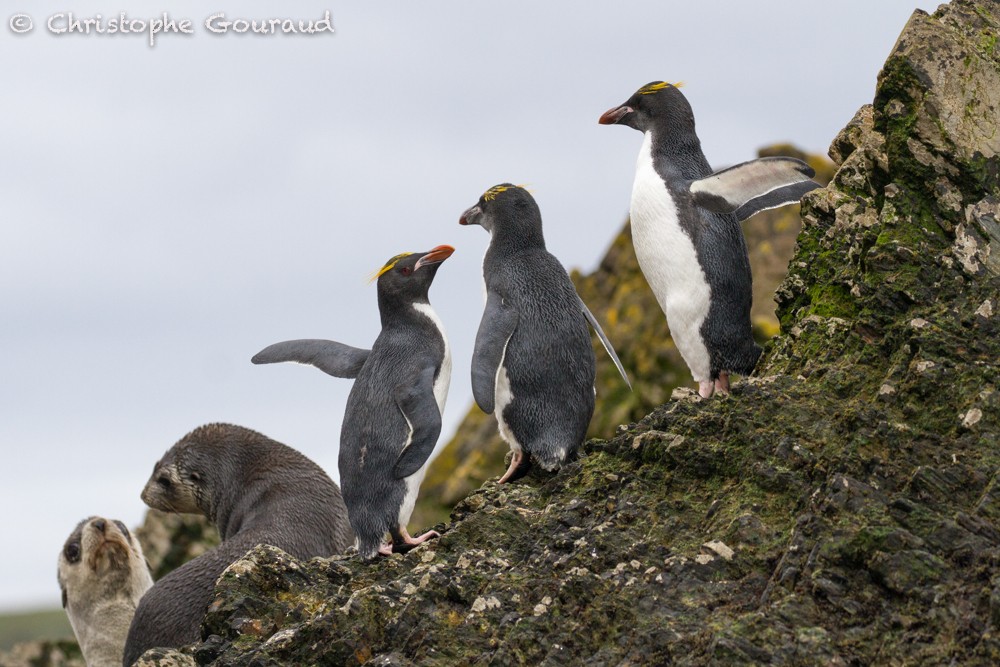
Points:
(687, 236)
(393, 415)
(533, 363)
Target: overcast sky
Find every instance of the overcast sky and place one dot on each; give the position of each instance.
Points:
(166, 212)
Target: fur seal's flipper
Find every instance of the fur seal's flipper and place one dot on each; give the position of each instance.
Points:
(754, 186)
(331, 357)
(497, 326)
(604, 341)
(420, 409)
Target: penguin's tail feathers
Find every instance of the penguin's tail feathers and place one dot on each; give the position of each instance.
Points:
(554, 454)
(368, 549)
(741, 361)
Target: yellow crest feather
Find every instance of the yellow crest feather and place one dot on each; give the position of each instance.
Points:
(492, 193)
(654, 88)
(388, 266)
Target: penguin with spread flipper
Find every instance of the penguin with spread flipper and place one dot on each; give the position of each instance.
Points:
(687, 236)
(393, 415)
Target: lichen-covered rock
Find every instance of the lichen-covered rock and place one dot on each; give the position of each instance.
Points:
(166, 657)
(841, 507)
(170, 540)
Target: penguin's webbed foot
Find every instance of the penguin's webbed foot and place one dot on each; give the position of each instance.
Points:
(722, 383)
(720, 386)
(518, 468)
(402, 542)
(706, 388)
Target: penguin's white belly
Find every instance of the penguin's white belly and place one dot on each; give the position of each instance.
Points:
(502, 397)
(441, 385)
(410, 499)
(669, 261)
(443, 381)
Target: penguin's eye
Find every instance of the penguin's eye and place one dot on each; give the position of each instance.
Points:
(72, 552)
(406, 270)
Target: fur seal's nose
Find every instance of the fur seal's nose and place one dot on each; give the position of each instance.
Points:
(100, 525)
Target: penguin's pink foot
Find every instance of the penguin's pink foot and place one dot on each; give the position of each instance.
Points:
(402, 542)
(420, 539)
(385, 550)
(515, 463)
(706, 388)
(722, 383)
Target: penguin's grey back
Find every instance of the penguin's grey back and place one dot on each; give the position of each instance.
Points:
(374, 430)
(549, 359)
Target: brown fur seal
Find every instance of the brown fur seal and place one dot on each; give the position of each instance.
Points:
(102, 575)
(256, 491)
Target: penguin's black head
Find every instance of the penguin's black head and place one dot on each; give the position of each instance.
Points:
(657, 105)
(508, 211)
(408, 276)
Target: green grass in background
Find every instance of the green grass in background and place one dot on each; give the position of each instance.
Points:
(33, 625)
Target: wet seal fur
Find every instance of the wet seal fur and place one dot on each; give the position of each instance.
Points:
(255, 491)
(102, 574)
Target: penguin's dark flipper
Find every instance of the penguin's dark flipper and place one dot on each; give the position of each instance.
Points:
(754, 186)
(420, 409)
(331, 357)
(495, 329)
(609, 348)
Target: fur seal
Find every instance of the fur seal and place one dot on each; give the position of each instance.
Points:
(102, 574)
(256, 491)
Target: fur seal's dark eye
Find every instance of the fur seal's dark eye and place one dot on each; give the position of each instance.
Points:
(72, 552)
(163, 481)
(406, 270)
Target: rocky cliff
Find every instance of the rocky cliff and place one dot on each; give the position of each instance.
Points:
(841, 507)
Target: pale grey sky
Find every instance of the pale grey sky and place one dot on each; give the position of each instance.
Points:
(166, 212)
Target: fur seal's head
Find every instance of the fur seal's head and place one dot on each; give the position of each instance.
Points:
(102, 575)
(98, 549)
(203, 470)
(176, 484)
